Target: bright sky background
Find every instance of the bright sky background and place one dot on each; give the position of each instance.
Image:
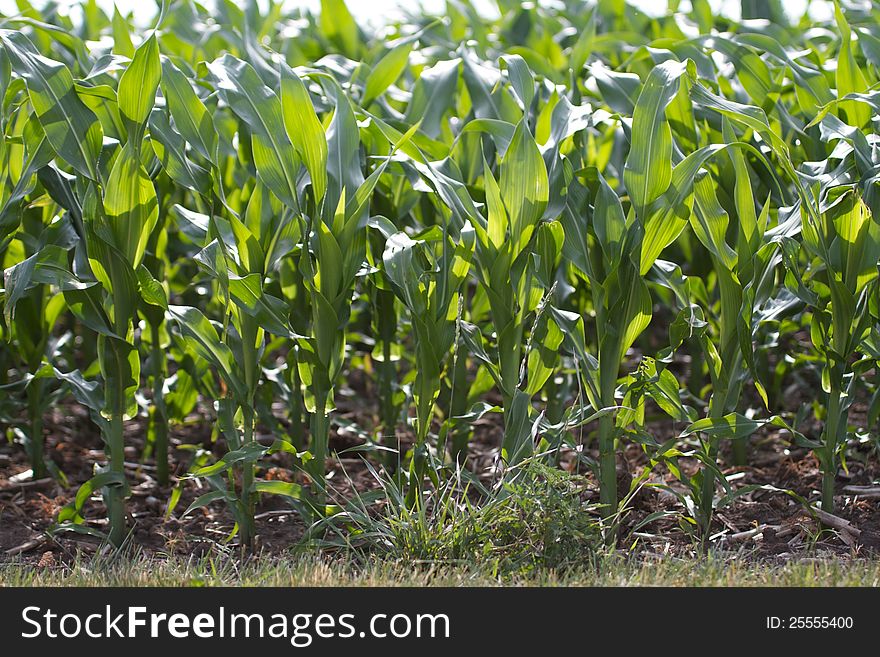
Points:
(378, 11)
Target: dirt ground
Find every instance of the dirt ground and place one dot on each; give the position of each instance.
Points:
(770, 524)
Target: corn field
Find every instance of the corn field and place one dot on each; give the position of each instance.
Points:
(247, 248)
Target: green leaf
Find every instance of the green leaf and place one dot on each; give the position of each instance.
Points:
(151, 290)
(520, 79)
(49, 266)
(523, 183)
(304, 129)
(648, 170)
(191, 117)
(710, 222)
(169, 147)
(72, 128)
(339, 27)
(269, 311)
(671, 212)
(72, 511)
(203, 337)
(258, 106)
(130, 204)
(386, 71)
(209, 498)
(433, 95)
(247, 454)
(343, 155)
(283, 488)
(850, 78)
(729, 427)
(121, 38)
(138, 85)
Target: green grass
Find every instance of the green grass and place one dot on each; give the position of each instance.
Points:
(313, 570)
(539, 521)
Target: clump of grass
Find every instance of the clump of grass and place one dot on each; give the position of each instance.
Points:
(536, 521)
(541, 521)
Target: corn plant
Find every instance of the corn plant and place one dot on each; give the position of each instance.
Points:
(116, 223)
(846, 243)
(511, 240)
(427, 276)
(564, 231)
(33, 317)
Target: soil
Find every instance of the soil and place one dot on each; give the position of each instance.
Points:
(768, 523)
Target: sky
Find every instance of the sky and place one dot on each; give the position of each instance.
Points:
(377, 11)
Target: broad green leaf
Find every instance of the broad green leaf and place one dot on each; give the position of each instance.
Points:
(386, 71)
(191, 117)
(855, 251)
(433, 95)
(72, 128)
(130, 204)
(258, 106)
(670, 213)
(648, 169)
(850, 78)
(520, 79)
(169, 147)
(729, 427)
(203, 337)
(339, 27)
(209, 498)
(151, 290)
(269, 311)
(248, 453)
(72, 511)
(49, 266)
(304, 129)
(343, 158)
(138, 85)
(121, 38)
(710, 221)
(283, 488)
(524, 186)
(497, 225)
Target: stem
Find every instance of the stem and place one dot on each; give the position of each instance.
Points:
(297, 433)
(458, 406)
(509, 360)
(116, 499)
(35, 416)
(707, 496)
(250, 355)
(607, 468)
(607, 457)
(419, 464)
(157, 412)
(555, 400)
(695, 380)
(247, 482)
(387, 319)
(320, 440)
(829, 462)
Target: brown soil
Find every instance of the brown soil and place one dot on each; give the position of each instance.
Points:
(28, 509)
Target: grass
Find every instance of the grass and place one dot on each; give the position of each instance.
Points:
(539, 521)
(717, 569)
